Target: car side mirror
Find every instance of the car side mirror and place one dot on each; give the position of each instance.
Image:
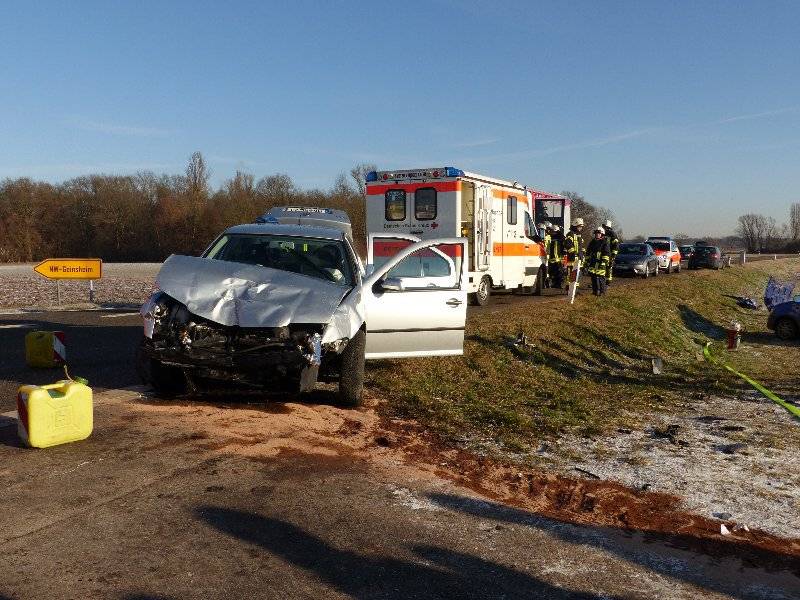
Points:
(392, 284)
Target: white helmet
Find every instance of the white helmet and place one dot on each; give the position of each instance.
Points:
(607, 223)
(577, 222)
(547, 225)
(600, 230)
(556, 228)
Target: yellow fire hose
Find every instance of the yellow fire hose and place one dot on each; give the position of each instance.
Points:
(776, 399)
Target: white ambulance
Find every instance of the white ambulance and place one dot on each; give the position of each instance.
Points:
(496, 216)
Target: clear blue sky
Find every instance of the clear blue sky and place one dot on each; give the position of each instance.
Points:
(677, 116)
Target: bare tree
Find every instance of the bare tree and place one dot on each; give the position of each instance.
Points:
(197, 175)
(749, 229)
(794, 222)
(359, 175)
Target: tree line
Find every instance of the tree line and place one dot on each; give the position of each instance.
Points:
(763, 234)
(147, 217)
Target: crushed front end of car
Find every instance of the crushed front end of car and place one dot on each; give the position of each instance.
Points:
(223, 325)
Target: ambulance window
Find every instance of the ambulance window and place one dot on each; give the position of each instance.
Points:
(530, 230)
(425, 204)
(395, 205)
(511, 212)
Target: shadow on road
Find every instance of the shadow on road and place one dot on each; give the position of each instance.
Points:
(452, 575)
(654, 550)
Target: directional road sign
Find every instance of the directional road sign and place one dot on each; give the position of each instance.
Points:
(70, 268)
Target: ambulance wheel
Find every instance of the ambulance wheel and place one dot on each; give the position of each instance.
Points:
(351, 377)
(481, 297)
(539, 286)
(165, 381)
(679, 268)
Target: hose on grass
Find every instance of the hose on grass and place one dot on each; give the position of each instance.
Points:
(769, 394)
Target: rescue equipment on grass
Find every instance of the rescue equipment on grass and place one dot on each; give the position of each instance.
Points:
(58, 413)
(767, 393)
(45, 349)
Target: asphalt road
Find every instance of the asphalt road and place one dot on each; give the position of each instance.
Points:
(193, 500)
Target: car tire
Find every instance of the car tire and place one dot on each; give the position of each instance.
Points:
(786, 329)
(679, 267)
(646, 272)
(481, 297)
(351, 375)
(656, 273)
(539, 285)
(165, 381)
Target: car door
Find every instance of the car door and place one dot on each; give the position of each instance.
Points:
(416, 302)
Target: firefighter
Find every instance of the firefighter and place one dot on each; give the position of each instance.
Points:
(547, 240)
(599, 257)
(573, 248)
(555, 268)
(613, 245)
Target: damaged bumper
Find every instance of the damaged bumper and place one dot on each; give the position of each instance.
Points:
(284, 358)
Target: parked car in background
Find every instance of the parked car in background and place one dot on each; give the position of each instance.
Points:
(784, 319)
(636, 259)
(686, 252)
(669, 259)
(709, 257)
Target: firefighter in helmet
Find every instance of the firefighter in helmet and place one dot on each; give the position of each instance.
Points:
(613, 245)
(598, 258)
(573, 247)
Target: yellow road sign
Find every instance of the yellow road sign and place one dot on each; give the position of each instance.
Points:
(70, 268)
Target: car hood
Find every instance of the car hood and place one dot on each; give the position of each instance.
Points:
(631, 258)
(232, 293)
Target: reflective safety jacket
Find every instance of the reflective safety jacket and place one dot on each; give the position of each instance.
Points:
(573, 245)
(613, 242)
(548, 241)
(598, 256)
(556, 247)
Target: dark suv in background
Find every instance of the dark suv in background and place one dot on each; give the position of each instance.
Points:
(709, 257)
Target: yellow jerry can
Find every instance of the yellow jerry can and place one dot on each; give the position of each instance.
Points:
(48, 415)
(45, 349)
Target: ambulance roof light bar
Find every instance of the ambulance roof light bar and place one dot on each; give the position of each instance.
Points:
(386, 175)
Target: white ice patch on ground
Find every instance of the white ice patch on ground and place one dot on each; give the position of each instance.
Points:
(407, 498)
(735, 459)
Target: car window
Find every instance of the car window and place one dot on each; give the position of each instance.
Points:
(660, 245)
(632, 249)
(319, 258)
(433, 267)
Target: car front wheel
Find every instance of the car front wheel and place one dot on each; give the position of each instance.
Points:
(166, 381)
(351, 377)
(786, 329)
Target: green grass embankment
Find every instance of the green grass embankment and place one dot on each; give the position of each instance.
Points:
(589, 367)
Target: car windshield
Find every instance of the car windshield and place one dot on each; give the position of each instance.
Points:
(320, 258)
(660, 245)
(633, 249)
(705, 250)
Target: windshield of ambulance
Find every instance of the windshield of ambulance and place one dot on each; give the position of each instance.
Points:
(660, 246)
(314, 257)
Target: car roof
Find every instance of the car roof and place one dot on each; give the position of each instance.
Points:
(326, 233)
